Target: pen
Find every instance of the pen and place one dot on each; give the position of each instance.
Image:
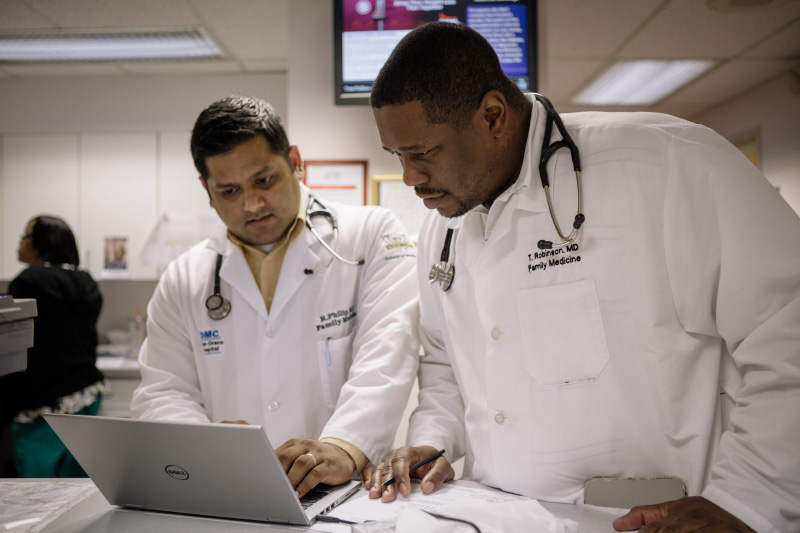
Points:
(419, 464)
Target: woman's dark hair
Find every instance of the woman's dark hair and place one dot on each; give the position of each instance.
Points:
(54, 241)
(227, 123)
(448, 68)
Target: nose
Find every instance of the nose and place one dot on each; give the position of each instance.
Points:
(253, 202)
(413, 175)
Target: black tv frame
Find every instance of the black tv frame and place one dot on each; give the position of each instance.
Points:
(343, 98)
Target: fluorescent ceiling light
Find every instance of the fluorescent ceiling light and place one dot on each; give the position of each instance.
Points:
(107, 46)
(640, 82)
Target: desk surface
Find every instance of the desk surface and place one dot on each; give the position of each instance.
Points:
(95, 514)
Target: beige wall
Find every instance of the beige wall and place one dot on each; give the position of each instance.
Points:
(771, 113)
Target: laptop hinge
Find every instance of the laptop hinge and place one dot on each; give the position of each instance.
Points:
(134, 506)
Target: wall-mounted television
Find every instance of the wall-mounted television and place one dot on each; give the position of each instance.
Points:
(366, 32)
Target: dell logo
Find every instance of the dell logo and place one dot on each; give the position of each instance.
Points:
(177, 472)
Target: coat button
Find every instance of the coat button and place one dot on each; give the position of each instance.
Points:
(273, 406)
(497, 333)
(500, 418)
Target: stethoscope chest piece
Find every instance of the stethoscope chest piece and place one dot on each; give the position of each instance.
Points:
(218, 307)
(443, 273)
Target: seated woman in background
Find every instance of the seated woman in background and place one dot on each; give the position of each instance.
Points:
(61, 376)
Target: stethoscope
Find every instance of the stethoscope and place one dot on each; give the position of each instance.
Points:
(323, 211)
(444, 272)
(218, 307)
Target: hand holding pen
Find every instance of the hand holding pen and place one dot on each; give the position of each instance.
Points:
(393, 475)
(419, 464)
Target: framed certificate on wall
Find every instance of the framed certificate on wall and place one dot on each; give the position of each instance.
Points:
(388, 190)
(339, 181)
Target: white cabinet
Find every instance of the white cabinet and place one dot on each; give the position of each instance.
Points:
(40, 176)
(118, 196)
(103, 185)
(179, 187)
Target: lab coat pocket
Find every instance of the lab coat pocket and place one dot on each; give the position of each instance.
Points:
(562, 333)
(334, 356)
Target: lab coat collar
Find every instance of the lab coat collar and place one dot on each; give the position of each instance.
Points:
(303, 252)
(455, 222)
(526, 193)
(235, 271)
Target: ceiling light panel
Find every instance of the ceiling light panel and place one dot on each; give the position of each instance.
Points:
(640, 82)
(116, 46)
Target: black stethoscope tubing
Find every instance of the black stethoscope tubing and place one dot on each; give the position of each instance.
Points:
(547, 151)
(444, 272)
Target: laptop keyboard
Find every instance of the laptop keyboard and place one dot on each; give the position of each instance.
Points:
(313, 496)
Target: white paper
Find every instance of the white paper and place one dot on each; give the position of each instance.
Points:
(360, 508)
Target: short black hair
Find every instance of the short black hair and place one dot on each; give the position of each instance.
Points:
(228, 122)
(448, 68)
(54, 241)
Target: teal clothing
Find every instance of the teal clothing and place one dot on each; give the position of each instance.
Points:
(38, 452)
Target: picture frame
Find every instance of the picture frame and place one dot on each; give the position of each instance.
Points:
(388, 190)
(342, 181)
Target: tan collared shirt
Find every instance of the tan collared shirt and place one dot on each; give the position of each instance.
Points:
(266, 269)
(266, 266)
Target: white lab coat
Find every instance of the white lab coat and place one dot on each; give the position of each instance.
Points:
(609, 360)
(335, 357)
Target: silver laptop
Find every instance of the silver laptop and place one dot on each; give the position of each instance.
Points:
(222, 470)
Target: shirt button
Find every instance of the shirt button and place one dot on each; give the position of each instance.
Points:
(500, 418)
(497, 333)
(273, 406)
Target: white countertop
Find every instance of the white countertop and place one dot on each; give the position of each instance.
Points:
(89, 512)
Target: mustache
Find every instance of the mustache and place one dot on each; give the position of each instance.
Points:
(427, 192)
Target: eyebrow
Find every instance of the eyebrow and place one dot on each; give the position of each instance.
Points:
(410, 148)
(254, 175)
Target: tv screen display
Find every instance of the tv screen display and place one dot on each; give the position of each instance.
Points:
(366, 32)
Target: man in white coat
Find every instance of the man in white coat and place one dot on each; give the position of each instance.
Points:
(663, 339)
(261, 324)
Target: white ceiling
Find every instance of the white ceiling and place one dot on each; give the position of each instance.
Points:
(578, 38)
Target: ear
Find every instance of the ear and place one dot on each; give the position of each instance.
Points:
(205, 186)
(297, 163)
(493, 113)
